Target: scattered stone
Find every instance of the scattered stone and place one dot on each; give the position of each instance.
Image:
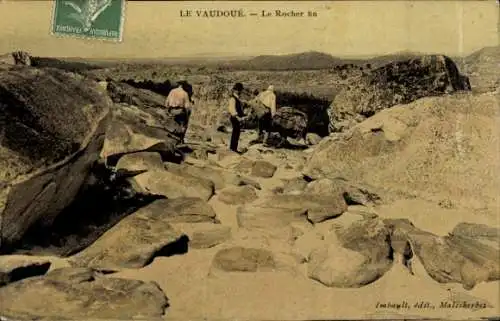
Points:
(294, 186)
(351, 193)
(204, 235)
(81, 293)
(134, 241)
(243, 259)
(336, 266)
(173, 184)
(313, 139)
(140, 161)
(237, 195)
(259, 168)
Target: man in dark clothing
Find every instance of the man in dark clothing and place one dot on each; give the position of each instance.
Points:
(235, 109)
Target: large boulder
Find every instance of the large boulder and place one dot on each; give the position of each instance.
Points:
(399, 82)
(52, 130)
(359, 254)
(81, 293)
(290, 122)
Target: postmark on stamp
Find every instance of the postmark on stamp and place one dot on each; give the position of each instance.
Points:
(93, 19)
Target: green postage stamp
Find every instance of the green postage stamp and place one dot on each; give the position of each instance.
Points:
(94, 19)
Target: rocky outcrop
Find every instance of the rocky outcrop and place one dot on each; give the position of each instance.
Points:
(399, 82)
(16, 58)
(460, 257)
(434, 148)
(52, 127)
(81, 293)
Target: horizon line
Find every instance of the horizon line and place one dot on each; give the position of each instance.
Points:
(242, 56)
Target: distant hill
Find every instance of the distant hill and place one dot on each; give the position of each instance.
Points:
(482, 67)
(301, 61)
(306, 60)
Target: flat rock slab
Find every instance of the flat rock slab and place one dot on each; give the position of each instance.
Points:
(244, 259)
(281, 210)
(237, 195)
(182, 210)
(81, 293)
(173, 184)
(204, 235)
(220, 177)
(134, 241)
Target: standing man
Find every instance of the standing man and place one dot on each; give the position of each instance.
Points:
(268, 99)
(235, 109)
(179, 103)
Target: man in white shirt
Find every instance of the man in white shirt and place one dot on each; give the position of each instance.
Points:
(178, 97)
(268, 99)
(179, 103)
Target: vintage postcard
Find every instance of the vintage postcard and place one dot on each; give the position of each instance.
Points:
(249, 160)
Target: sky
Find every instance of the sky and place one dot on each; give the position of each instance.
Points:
(154, 29)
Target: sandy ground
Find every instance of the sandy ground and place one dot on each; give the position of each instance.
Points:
(195, 293)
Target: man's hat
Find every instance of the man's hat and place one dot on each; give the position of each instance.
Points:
(238, 86)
